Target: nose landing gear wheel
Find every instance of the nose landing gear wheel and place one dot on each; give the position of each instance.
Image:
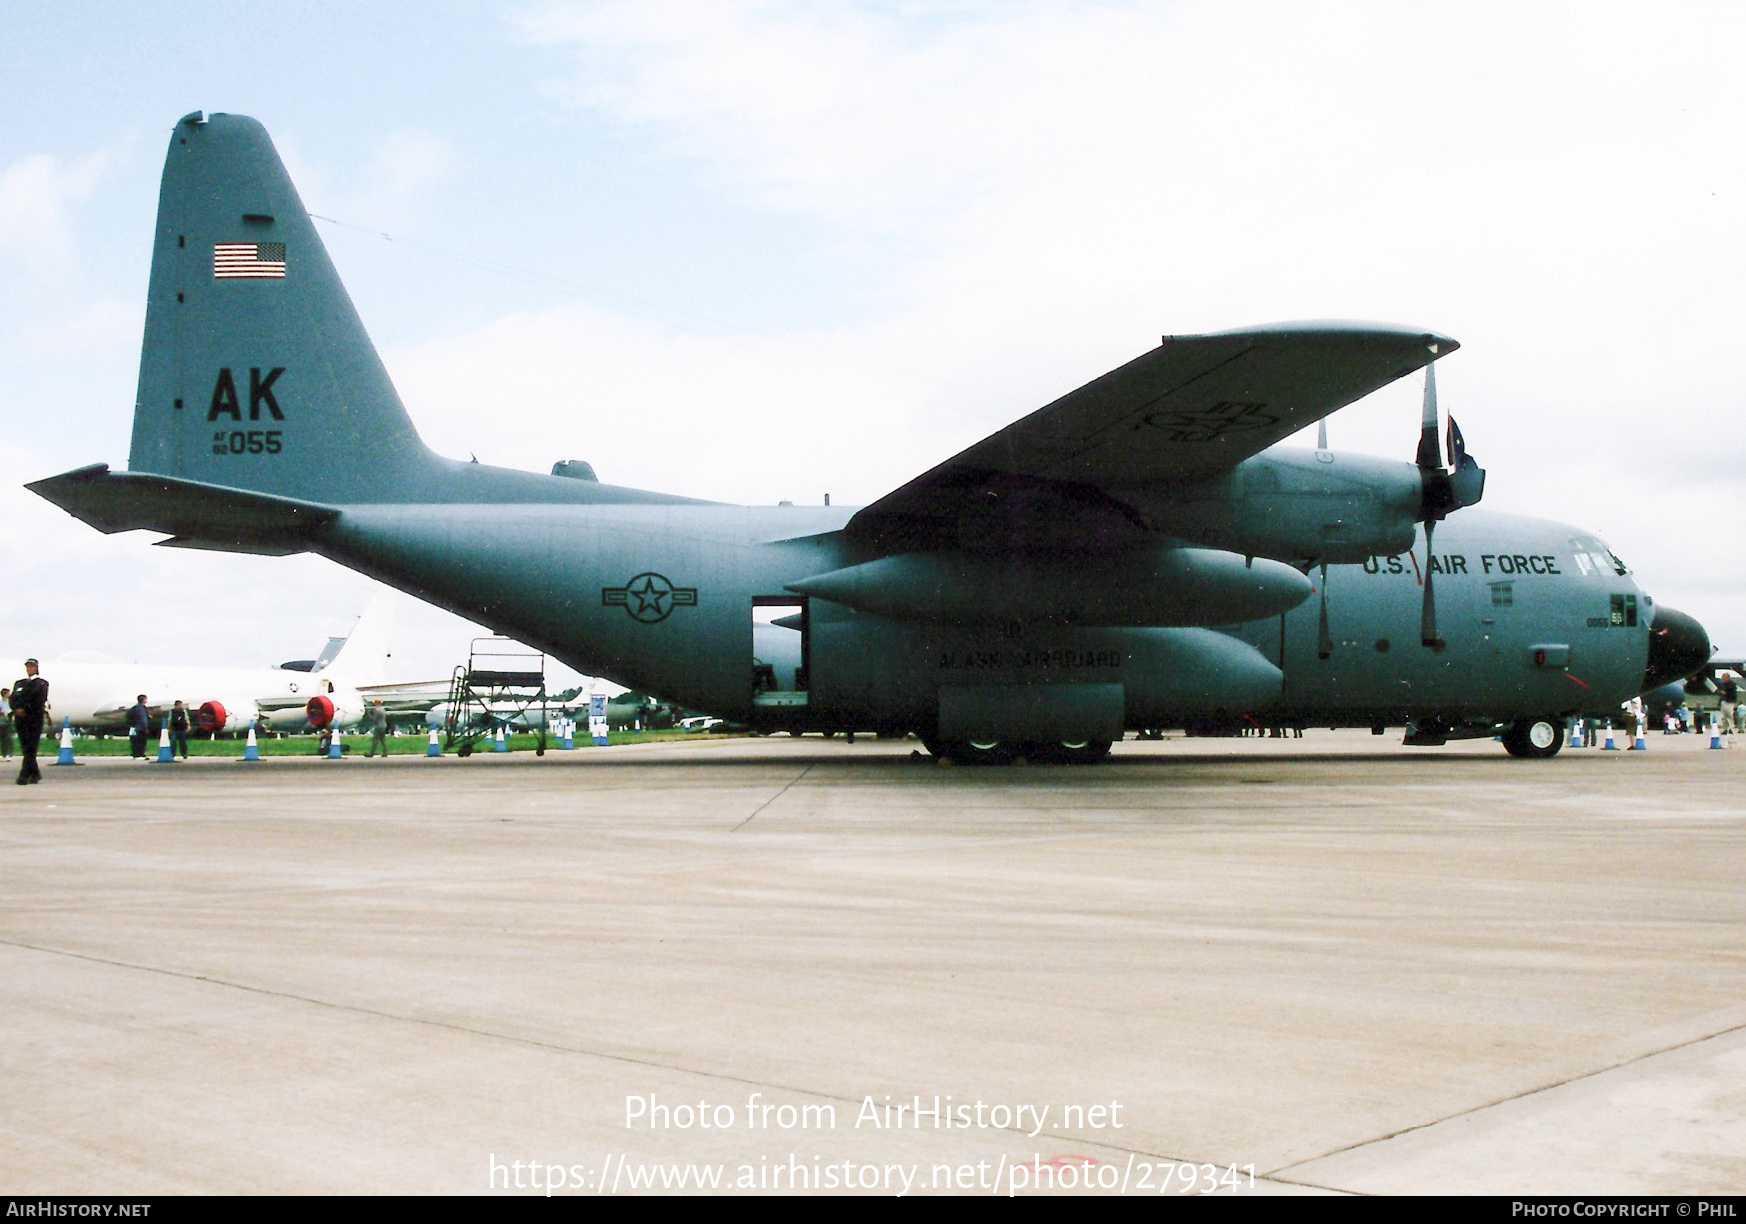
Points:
(1536, 738)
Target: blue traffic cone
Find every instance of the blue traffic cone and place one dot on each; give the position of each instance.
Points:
(436, 747)
(1575, 733)
(1716, 740)
(252, 752)
(334, 750)
(1609, 746)
(501, 745)
(569, 733)
(1641, 743)
(164, 752)
(66, 755)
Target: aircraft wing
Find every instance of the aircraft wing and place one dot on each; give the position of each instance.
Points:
(413, 697)
(1190, 409)
(281, 702)
(410, 698)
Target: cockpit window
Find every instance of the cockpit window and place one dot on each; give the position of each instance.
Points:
(1594, 557)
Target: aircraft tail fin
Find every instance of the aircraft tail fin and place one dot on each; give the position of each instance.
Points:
(362, 658)
(256, 371)
(263, 408)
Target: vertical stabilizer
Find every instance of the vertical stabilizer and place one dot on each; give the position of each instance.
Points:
(256, 372)
(363, 658)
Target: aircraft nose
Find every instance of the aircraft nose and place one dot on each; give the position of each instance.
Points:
(1678, 646)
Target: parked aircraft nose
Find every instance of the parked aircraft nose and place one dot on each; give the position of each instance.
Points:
(1678, 646)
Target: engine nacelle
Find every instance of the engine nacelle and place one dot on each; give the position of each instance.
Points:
(1151, 586)
(1297, 505)
(339, 708)
(212, 717)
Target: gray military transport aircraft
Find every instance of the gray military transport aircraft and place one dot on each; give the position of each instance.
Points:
(1137, 554)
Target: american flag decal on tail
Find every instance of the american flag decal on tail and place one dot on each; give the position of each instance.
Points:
(246, 260)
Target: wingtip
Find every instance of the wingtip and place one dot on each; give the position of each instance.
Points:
(1436, 342)
(91, 471)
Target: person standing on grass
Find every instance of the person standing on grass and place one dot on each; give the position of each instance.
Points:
(376, 719)
(179, 731)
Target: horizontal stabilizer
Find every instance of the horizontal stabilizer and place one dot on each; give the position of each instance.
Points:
(198, 515)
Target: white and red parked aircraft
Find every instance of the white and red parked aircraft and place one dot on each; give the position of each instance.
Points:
(331, 690)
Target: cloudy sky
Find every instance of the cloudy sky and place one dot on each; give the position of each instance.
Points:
(755, 251)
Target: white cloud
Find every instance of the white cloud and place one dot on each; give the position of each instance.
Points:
(101, 329)
(1122, 169)
(38, 195)
(757, 419)
(405, 166)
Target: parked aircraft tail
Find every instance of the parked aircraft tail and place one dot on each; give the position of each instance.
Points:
(257, 372)
(363, 658)
(263, 407)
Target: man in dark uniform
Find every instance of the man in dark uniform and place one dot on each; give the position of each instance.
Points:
(139, 725)
(179, 731)
(29, 711)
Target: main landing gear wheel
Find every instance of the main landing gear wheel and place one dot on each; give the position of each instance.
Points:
(1079, 752)
(968, 752)
(979, 752)
(1002, 752)
(1537, 738)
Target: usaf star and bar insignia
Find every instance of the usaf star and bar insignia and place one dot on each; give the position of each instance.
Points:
(649, 598)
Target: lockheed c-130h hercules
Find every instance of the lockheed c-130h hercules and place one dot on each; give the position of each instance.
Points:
(1137, 554)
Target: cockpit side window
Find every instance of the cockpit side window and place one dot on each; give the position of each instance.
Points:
(1594, 557)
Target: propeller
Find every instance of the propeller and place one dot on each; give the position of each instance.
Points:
(1444, 490)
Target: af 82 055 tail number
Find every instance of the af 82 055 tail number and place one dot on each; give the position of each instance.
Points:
(248, 442)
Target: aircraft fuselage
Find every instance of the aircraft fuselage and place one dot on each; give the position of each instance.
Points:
(1535, 618)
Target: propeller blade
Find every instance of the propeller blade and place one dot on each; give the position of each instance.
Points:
(1444, 490)
(1428, 613)
(1467, 485)
(1322, 434)
(1430, 457)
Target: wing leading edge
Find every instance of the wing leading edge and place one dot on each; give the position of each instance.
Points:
(1190, 409)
